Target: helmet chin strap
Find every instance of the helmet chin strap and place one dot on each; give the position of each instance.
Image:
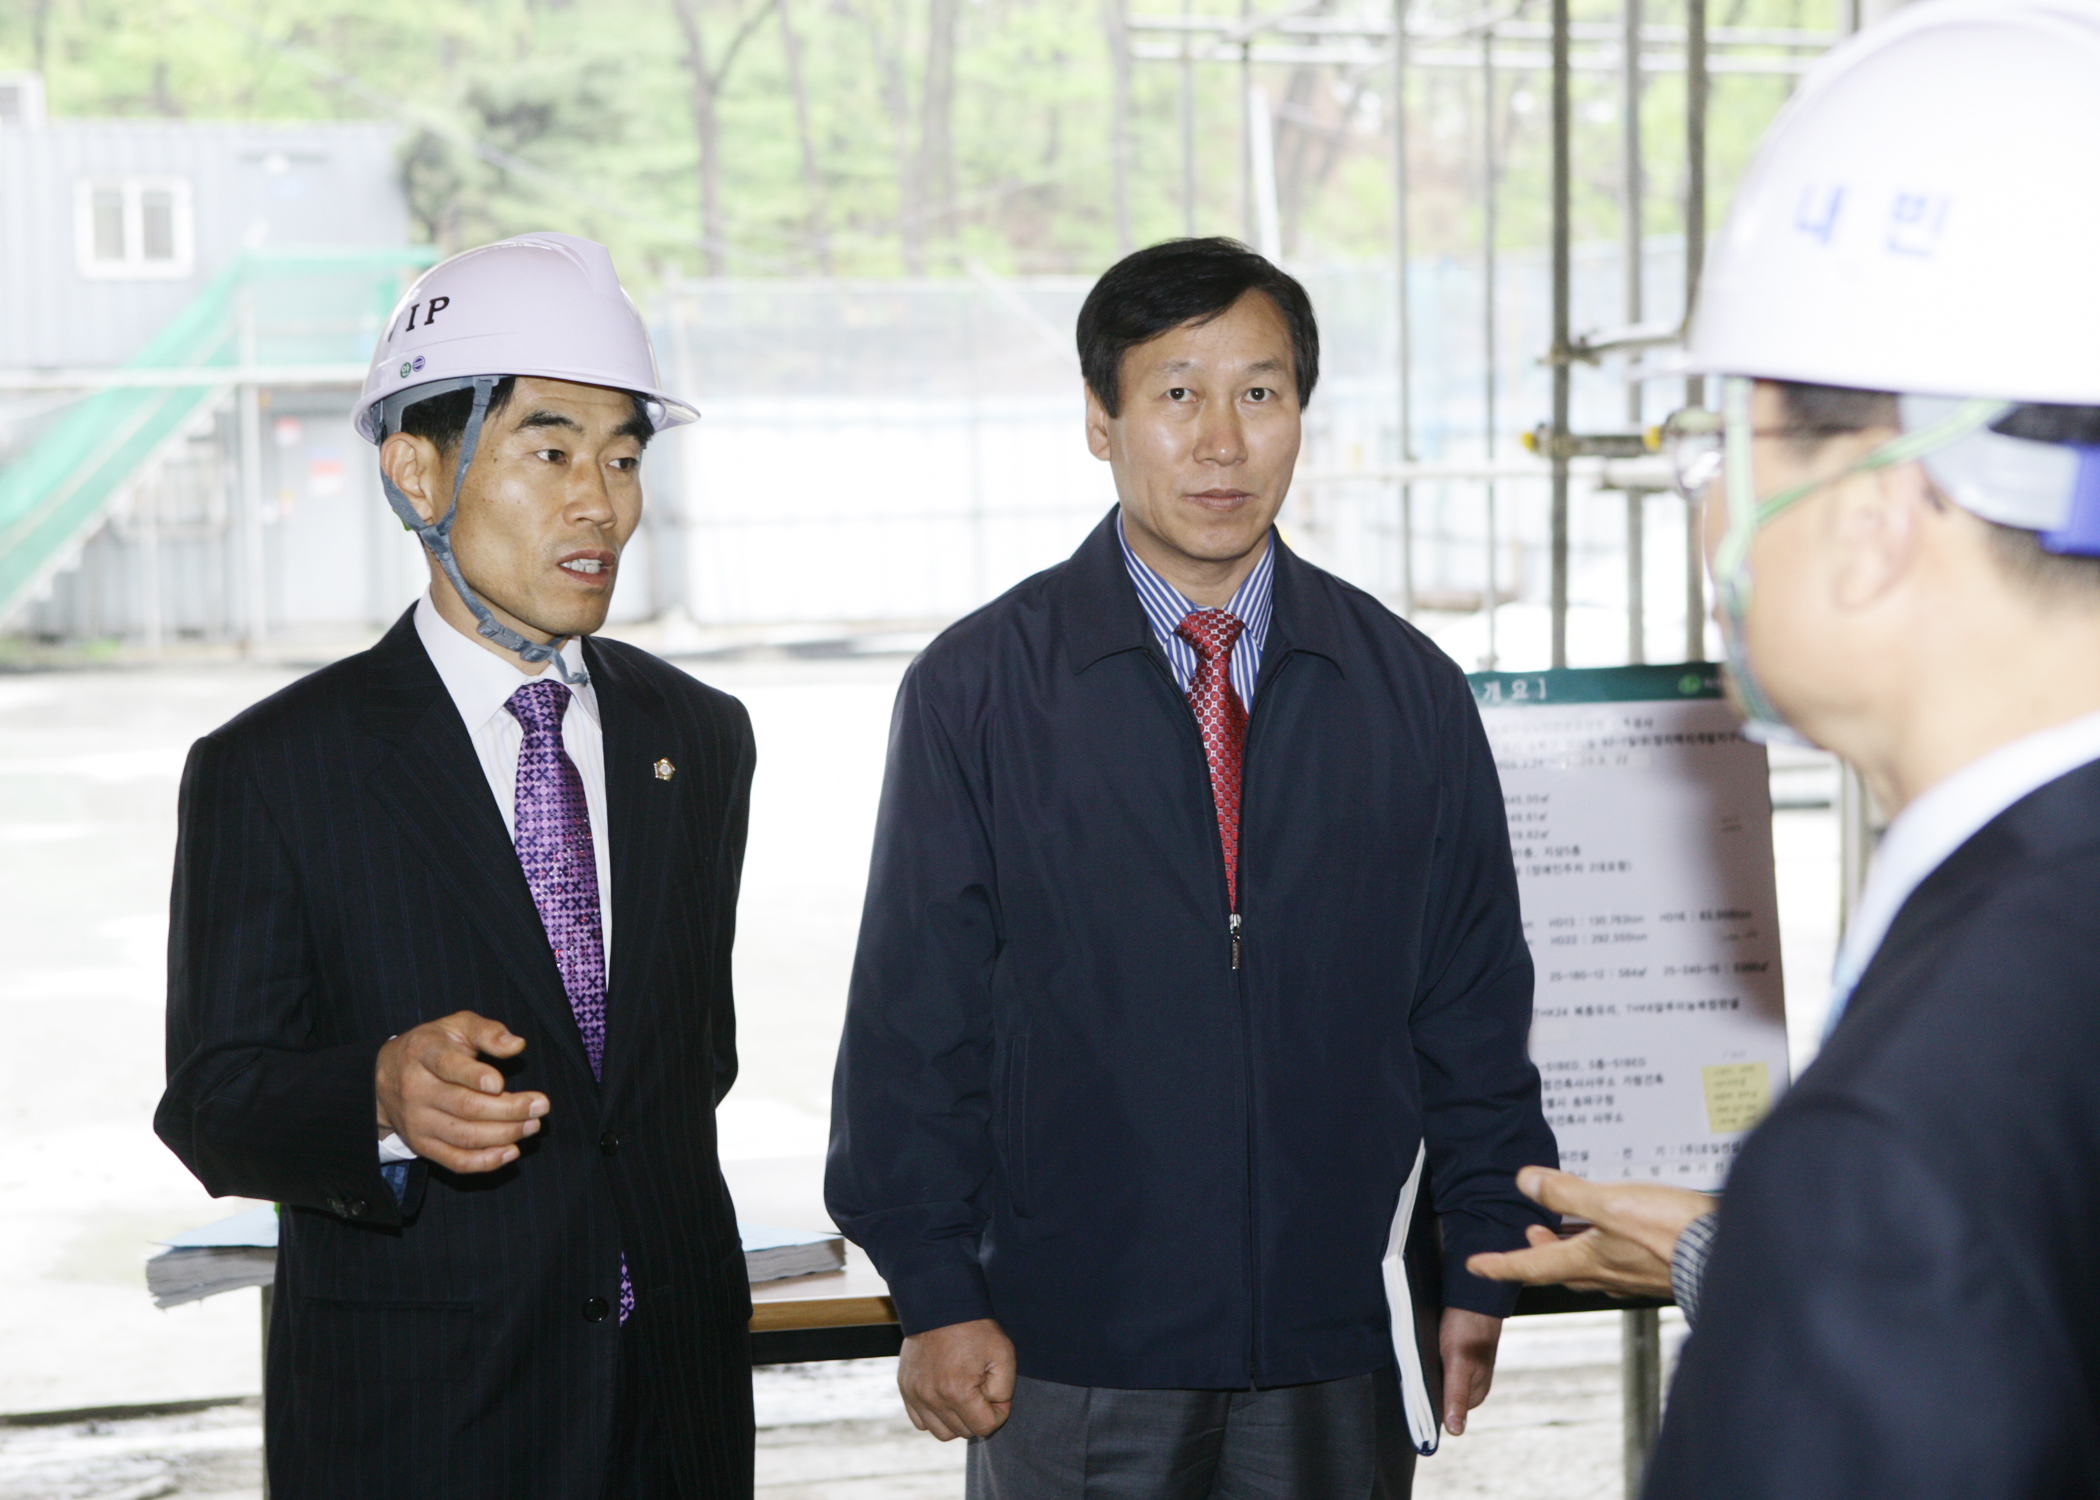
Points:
(437, 536)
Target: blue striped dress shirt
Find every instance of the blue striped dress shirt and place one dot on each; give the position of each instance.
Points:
(1166, 607)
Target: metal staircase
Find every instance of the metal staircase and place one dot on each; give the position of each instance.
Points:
(271, 318)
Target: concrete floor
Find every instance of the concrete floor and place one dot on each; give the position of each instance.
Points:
(89, 762)
(835, 1432)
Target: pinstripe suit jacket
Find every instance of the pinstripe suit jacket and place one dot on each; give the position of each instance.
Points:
(342, 875)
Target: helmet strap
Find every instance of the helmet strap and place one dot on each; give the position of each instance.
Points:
(437, 536)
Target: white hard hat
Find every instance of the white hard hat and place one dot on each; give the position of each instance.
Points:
(1923, 216)
(540, 304)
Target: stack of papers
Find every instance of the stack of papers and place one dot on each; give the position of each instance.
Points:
(222, 1257)
(242, 1251)
(774, 1254)
(1412, 1302)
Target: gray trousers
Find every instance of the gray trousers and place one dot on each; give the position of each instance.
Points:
(1334, 1440)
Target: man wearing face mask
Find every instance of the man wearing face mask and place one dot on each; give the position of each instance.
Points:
(449, 953)
(1902, 490)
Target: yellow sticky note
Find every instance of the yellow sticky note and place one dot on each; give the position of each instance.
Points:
(1737, 1095)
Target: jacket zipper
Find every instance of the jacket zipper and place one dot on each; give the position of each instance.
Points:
(1263, 691)
(1236, 935)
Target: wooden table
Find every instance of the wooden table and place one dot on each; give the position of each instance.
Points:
(834, 1315)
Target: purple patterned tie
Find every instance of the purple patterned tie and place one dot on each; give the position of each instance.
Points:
(561, 867)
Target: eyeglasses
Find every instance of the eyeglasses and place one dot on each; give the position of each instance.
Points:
(1691, 438)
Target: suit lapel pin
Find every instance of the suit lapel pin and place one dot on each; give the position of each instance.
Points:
(664, 770)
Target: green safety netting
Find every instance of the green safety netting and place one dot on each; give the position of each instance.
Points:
(276, 308)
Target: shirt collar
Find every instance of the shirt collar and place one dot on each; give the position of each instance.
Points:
(479, 680)
(1947, 816)
(1166, 606)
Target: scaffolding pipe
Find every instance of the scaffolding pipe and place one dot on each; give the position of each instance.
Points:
(1403, 333)
(1188, 131)
(1447, 55)
(1694, 260)
(1640, 1358)
(1492, 596)
(1119, 124)
(1856, 841)
(251, 485)
(1261, 143)
(1562, 231)
(147, 501)
(1632, 185)
(1221, 30)
(1247, 225)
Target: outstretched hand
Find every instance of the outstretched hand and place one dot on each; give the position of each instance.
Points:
(1627, 1249)
(434, 1089)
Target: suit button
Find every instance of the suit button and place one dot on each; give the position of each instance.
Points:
(357, 1208)
(336, 1207)
(594, 1310)
(609, 1143)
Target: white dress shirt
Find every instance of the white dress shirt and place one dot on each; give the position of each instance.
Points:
(1940, 822)
(481, 683)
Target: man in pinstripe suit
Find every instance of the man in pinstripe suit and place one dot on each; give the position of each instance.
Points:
(509, 1265)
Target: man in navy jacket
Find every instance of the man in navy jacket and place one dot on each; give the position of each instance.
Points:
(1191, 917)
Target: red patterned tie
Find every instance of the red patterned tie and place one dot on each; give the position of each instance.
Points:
(1223, 720)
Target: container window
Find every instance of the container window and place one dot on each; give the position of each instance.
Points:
(134, 227)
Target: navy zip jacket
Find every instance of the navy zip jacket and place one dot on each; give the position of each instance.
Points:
(1058, 1104)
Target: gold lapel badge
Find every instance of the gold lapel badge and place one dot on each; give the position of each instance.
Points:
(664, 770)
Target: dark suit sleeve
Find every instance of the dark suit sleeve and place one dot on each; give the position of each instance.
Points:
(911, 1100)
(1862, 1334)
(1472, 1021)
(258, 1104)
(729, 878)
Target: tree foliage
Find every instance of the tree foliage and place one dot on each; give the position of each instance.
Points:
(871, 137)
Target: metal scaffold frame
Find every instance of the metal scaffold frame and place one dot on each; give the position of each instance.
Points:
(1498, 43)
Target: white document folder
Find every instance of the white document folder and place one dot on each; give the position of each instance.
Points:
(1415, 1397)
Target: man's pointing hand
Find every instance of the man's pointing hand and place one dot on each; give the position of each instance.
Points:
(447, 1104)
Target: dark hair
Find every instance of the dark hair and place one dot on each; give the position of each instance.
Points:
(442, 420)
(1824, 411)
(1177, 282)
(1827, 411)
